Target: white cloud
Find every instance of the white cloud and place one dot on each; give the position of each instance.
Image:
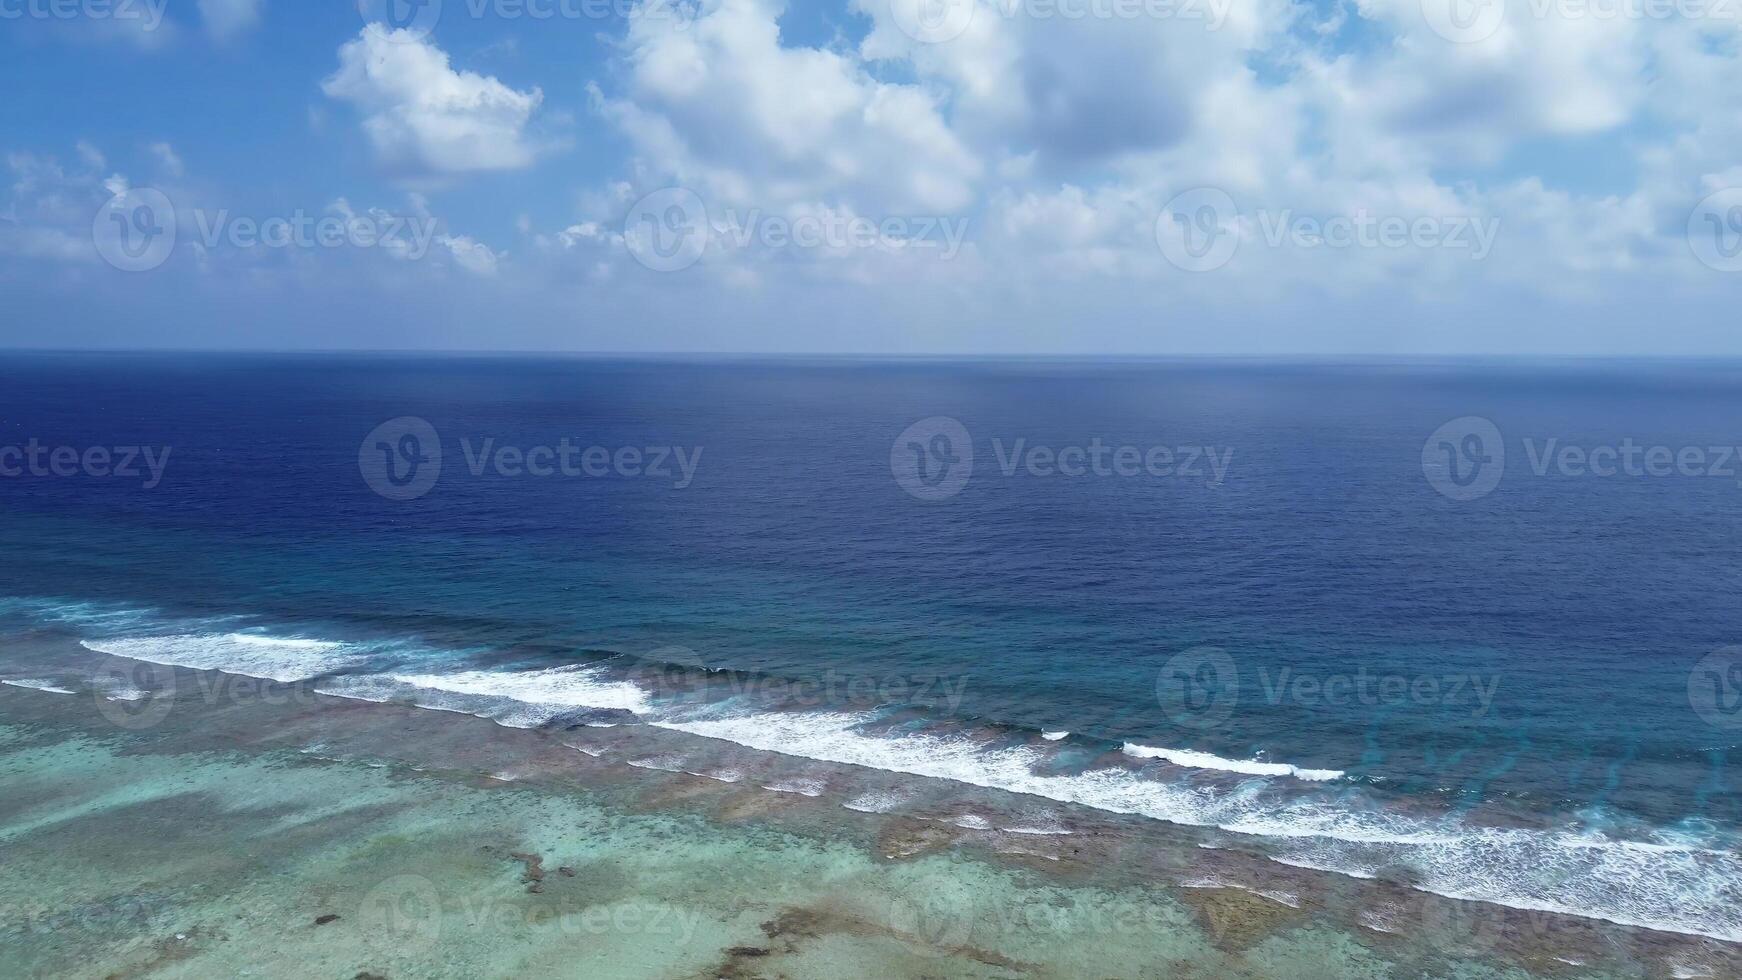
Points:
(226, 20)
(720, 104)
(48, 210)
(1062, 139)
(168, 160)
(470, 254)
(423, 116)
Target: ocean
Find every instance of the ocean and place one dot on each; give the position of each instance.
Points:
(1464, 626)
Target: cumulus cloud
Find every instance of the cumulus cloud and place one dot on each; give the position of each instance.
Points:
(424, 117)
(48, 207)
(722, 104)
(1065, 139)
(1062, 143)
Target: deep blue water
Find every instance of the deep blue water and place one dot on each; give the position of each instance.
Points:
(1581, 603)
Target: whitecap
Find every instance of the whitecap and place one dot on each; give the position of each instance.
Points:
(1688, 890)
(515, 699)
(1251, 767)
(274, 658)
(31, 684)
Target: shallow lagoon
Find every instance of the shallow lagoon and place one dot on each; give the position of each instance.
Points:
(218, 839)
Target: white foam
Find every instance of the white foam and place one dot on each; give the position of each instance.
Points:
(1310, 866)
(969, 821)
(29, 684)
(1280, 898)
(533, 697)
(1384, 919)
(283, 659)
(876, 802)
(660, 764)
(803, 787)
(1251, 767)
(1688, 890)
(673, 764)
(557, 687)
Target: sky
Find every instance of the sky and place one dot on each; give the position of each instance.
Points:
(1532, 177)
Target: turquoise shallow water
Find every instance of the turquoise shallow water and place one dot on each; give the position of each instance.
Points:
(1308, 657)
(224, 843)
